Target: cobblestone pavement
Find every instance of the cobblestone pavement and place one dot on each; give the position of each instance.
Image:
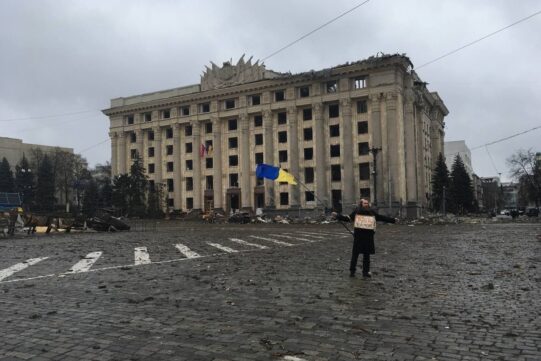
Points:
(217, 292)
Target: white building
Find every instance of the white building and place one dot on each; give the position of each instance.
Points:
(458, 147)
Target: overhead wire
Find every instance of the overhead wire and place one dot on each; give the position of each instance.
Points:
(48, 116)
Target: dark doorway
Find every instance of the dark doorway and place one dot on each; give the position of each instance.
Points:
(337, 200)
(259, 200)
(233, 201)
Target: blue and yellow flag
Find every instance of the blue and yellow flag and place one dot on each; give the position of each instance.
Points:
(274, 173)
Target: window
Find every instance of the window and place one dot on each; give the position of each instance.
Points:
(185, 111)
(360, 82)
(282, 156)
(209, 163)
(309, 175)
(169, 166)
(189, 147)
(150, 168)
(308, 153)
(133, 137)
(258, 158)
(335, 150)
(365, 193)
(208, 127)
(209, 182)
(189, 183)
(304, 91)
(233, 160)
(232, 124)
(189, 164)
(364, 171)
(258, 120)
(130, 119)
(170, 202)
(208, 145)
(334, 111)
(282, 137)
(151, 185)
(150, 135)
(256, 99)
(233, 143)
(336, 174)
(169, 133)
(169, 149)
(332, 86)
(363, 148)
(150, 152)
(204, 107)
(307, 114)
(362, 127)
(282, 118)
(133, 153)
(170, 185)
(233, 180)
(166, 114)
(362, 106)
(148, 117)
(334, 130)
(284, 198)
(258, 139)
(189, 203)
(229, 104)
(279, 96)
(188, 130)
(307, 134)
(309, 196)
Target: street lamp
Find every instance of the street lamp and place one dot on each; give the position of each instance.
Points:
(374, 152)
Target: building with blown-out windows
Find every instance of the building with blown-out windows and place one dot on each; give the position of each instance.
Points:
(370, 128)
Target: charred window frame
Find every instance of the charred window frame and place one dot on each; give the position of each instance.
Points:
(204, 107)
(169, 166)
(229, 104)
(309, 196)
(150, 135)
(133, 153)
(189, 203)
(209, 182)
(133, 137)
(166, 113)
(147, 117)
(188, 130)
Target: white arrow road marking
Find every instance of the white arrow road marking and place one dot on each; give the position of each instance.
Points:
(86, 263)
(289, 236)
(141, 256)
(240, 241)
(186, 251)
(221, 247)
(273, 240)
(5, 273)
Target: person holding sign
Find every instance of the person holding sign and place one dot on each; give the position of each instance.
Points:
(364, 219)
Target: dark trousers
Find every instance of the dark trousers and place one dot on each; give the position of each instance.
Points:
(366, 262)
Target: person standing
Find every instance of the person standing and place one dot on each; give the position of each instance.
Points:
(364, 220)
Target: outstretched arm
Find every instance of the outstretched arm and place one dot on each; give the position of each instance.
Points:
(382, 218)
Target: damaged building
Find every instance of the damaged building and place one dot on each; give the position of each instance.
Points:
(370, 128)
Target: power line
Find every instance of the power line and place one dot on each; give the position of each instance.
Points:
(506, 138)
(93, 146)
(313, 31)
(492, 160)
(48, 116)
(480, 39)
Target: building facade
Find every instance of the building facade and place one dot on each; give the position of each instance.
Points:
(458, 147)
(369, 128)
(13, 149)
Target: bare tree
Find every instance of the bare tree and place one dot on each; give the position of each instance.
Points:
(525, 167)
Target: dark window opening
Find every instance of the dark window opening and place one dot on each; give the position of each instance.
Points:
(234, 180)
(209, 182)
(258, 121)
(309, 196)
(258, 158)
(363, 148)
(171, 202)
(205, 107)
(282, 156)
(364, 171)
(307, 114)
(169, 166)
(185, 111)
(189, 203)
(151, 185)
(209, 163)
(279, 95)
(130, 119)
(169, 149)
(232, 124)
(307, 132)
(304, 91)
(335, 150)
(233, 143)
(208, 145)
(148, 117)
(309, 175)
(284, 198)
(308, 153)
(170, 185)
(150, 135)
(150, 152)
(230, 104)
(208, 127)
(256, 100)
(169, 133)
(189, 164)
(282, 118)
(365, 193)
(133, 137)
(166, 114)
(189, 183)
(258, 139)
(332, 86)
(233, 160)
(189, 147)
(334, 130)
(133, 153)
(188, 130)
(336, 174)
(362, 106)
(151, 168)
(282, 137)
(362, 127)
(334, 111)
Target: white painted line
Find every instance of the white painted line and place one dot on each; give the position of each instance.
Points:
(5, 273)
(318, 233)
(273, 240)
(293, 358)
(291, 237)
(141, 255)
(186, 251)
(240, 241)
(86, 263)
(311, 235)
(223, 248)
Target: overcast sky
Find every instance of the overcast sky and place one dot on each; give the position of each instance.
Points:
(59, 57)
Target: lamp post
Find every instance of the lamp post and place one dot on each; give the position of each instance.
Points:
(374, 152)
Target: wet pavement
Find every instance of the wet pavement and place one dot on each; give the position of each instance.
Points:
(272, 292)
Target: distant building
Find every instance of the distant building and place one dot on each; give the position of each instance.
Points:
(492, 193)
(13, 149)
(478, 191)
(510, 195)
(458, 147)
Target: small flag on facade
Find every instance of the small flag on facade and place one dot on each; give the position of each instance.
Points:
(274, 173)
(202, 150)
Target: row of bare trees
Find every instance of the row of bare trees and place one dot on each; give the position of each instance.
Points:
(525, 168)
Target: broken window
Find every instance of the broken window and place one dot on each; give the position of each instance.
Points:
(148, 117)
(332, 86)
(189, 147)
(166, 114)
(282, 118)
(282, 137)
(309, 175)
(189, 183)
(169, 133)
(209, 182)
(233, 180)
(365, 193)
(170, 185)
(308, 153)
(232, 124)
(279, 95)
(233, 143)
(208, 145)
(362, 127)
(189, 164)
(150, 152)
(307, 114)
(258, 120)
(309, 196)
(150, 168)
(304, 91)
(334, 111)
(256, 99)
(284, 198)
(364, 148)
(336, 174)
(169, 149)
(169, 166)
(334, 130)
(171, 202)
(209, 163)
(130, 119)
(364, 171)
(204, 107)
(307, 132)
(359, 82)
(208, 127)
(362, 106)
(189, 203)
(133, 137)
(258, 158)
(335, 150)
(150, 135)
(282, 156)
(233, 160)
(258, 139)
(185, 111)
(230, 104)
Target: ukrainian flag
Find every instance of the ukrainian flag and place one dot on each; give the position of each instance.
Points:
(274, 173)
